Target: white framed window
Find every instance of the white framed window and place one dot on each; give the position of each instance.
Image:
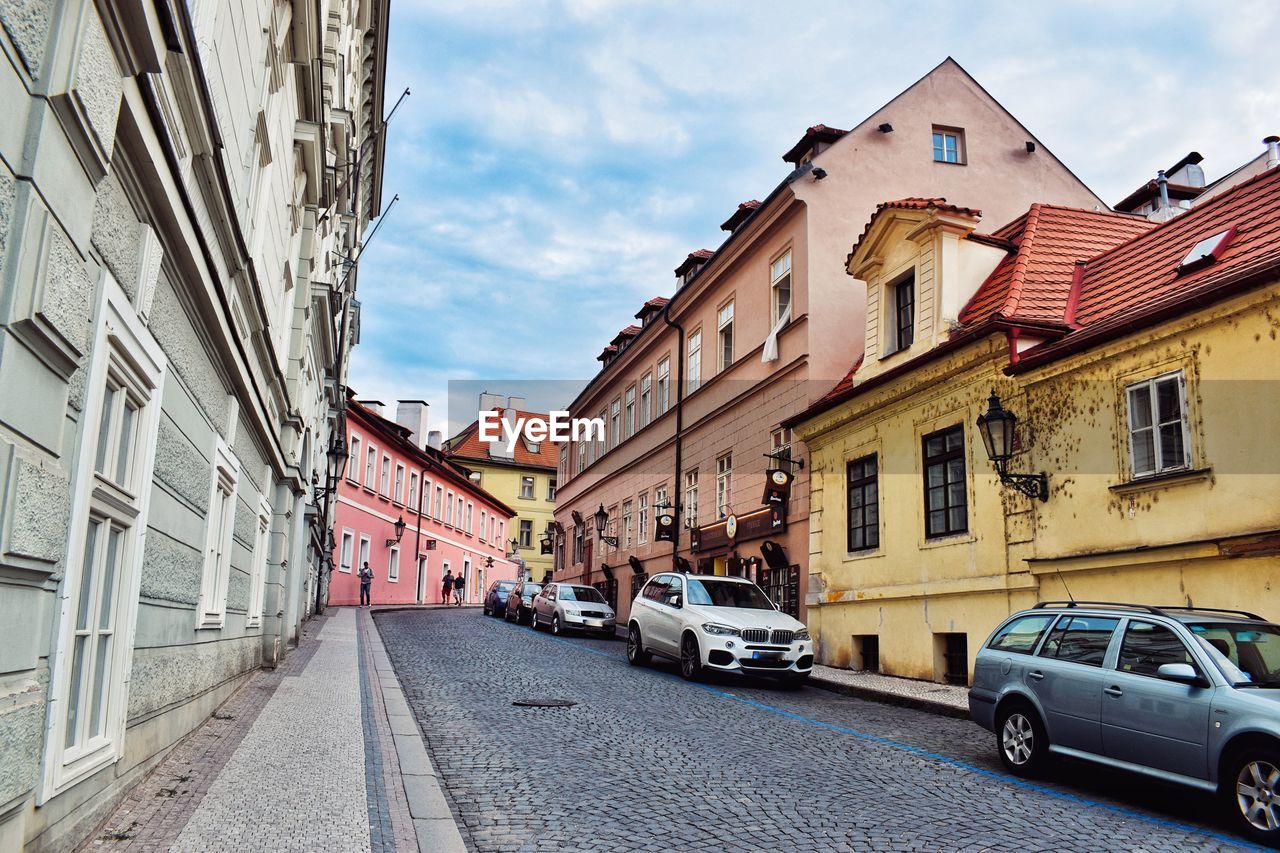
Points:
(258, 577)
(346, 555)
(693, 373)
(364, 550)
(660, 498)
(578, 546)
(398, 494)
(493, 529)
(626, 524)
(646, 399)
(466, 576)
(582, 456)
(724, 485)
(526, 533)
(448, 509)
(948, 145)
(615, 423)
(461, 511)
(1159, 433)
(724, 335)
(642, 511)
(384, 483)
(413, 490)
(629, 413)
(484, 522)
(780, 286)
(439, 503)
(471, 508)
(370, 468)
(526, 487)
(219, 524)
(393, 564)
(353, 463)
(780, 444)
(691, 498)
(97, 598)
(551, 489)
(663, 397)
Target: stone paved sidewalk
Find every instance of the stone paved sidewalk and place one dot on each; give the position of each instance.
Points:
(313, 756)
(945, 699)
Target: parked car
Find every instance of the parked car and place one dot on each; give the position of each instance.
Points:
(713, 623)
(569, 606)
(1187, 695)
(520, 601)
(495, 600)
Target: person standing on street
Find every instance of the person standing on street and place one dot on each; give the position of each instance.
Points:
(446, 587)
(366, 580)
(459, 588)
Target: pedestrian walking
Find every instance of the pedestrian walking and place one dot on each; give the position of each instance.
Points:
(366, 581)
(446, 587)
(459, 588)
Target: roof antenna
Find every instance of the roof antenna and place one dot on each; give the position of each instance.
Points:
(1064, 584)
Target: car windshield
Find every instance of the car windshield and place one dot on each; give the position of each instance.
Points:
(1248, 654)
(711, 593)
(531, 589)
(581, 593)
(506, 586)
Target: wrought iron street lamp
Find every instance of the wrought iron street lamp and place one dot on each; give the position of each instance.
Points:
(602, 521)
(399, 528)
(997, 429)
(337, 457)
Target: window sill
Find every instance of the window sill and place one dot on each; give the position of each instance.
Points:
(948, 539)
(855, 556)
(1160, 481)
(951, 162)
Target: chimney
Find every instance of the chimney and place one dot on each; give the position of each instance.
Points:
(1163, 211)
(1273, 151)
(489, 402)
(434, 439)
(516, 403)
(412, 415)
(498, 449)
(374, 406)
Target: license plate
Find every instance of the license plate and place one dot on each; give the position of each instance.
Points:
(595, 623)
(766, 655)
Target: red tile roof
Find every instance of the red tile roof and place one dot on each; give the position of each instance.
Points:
(817, 133)
(909, 204)
(467, 445)
(694, 259)
(1143, 272)
(608, 350)
(739, 216)
(657, 303)
(1032, 284)
(626, 334)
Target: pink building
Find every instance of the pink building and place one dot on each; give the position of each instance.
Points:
(450, 523)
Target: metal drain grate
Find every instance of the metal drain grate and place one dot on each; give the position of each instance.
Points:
(544, 703)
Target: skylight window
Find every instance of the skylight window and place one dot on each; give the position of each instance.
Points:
(1206, 251)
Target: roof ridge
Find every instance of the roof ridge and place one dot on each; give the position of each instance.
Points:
(1018, 279)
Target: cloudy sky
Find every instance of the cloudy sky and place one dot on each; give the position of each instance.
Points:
(556, 160)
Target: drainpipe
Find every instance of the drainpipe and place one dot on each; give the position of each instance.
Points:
(1273, 151)
(675, 484)
(417, 534)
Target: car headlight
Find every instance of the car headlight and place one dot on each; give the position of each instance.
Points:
(802, 634)
(720, 630)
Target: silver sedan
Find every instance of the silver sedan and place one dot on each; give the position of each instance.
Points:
(567, 606)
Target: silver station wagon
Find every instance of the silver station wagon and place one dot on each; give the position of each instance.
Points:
(1187, 695)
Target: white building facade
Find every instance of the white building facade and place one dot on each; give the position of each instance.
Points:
(184, 188)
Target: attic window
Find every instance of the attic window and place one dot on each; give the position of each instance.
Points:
(1207, 251)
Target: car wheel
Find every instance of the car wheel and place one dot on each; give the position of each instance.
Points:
(533, 619)
(690, 658)
(1021, 740)
(636, 655)
(1251, 788)
(486, 610)
(556, 627)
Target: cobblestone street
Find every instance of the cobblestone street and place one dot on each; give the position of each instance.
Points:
(646, 761)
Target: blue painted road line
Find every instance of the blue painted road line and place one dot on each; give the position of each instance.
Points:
(933, 756)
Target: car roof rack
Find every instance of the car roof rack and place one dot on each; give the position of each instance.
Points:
(1118, 604)
(1183, 607)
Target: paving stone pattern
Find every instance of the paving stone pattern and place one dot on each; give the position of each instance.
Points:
(157, 809)
(649, 762)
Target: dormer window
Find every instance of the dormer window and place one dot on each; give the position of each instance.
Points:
(902, 296)
(948, 145)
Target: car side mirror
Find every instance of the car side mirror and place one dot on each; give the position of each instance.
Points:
(674, 599)
(1183, 673)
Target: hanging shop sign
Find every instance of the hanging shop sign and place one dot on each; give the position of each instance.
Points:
(777, 486)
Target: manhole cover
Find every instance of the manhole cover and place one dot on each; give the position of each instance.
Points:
(544, 703)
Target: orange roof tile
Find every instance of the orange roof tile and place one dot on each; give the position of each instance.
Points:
(1033, 284)
(468, 446)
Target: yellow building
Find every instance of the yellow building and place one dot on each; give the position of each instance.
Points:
(524, 479)
(1143, 366)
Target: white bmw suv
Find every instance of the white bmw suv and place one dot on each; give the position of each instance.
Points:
(713, 623)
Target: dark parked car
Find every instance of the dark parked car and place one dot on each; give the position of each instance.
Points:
(495, 600)
(520, 602)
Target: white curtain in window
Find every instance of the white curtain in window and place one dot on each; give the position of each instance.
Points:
(770, 352)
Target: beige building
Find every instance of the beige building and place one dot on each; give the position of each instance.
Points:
(176, 181)
(694, 394)
(1141, 364)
